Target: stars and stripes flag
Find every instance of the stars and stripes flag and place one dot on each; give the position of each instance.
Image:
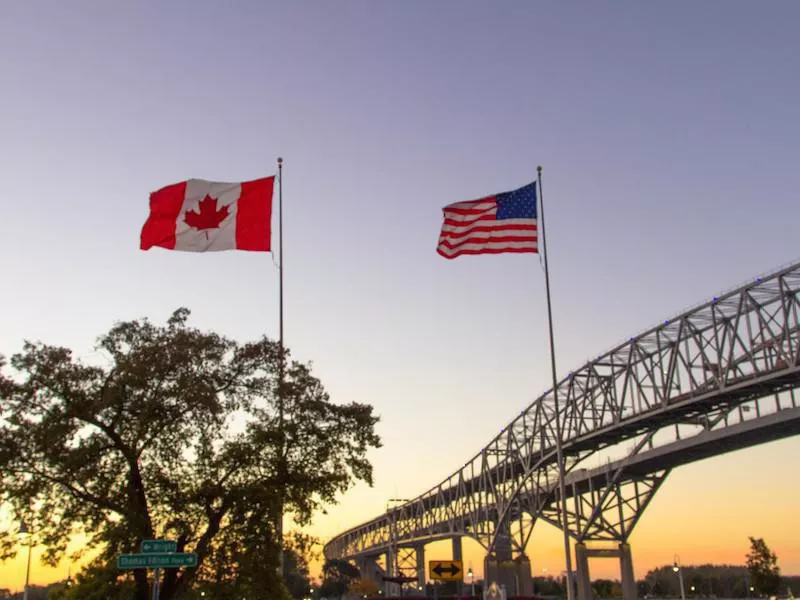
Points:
(504, 222)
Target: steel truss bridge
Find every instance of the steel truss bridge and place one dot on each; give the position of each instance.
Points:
(718, 377)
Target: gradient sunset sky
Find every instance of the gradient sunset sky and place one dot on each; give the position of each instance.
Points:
(670, 139)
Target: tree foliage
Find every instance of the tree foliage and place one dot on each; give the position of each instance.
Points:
(721, 581)
(337, 577)
(762, 563)
(298, 551)
(178, 434)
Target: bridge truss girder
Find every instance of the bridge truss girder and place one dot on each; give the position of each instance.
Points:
(690, 375)
(609, 513)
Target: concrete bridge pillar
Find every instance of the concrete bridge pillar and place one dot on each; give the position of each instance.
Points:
(420, 558)
(623, 552)
(524, 577)
(391, 589)
(389, 556)
(584, 581)
(502, 568)
(629, 591)
(458, 555)
(370, 569)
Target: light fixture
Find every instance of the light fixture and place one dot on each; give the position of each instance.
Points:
(25, 533)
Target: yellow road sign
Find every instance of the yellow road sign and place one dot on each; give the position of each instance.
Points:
(446, 570)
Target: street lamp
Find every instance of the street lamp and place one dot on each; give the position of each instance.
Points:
(676, 567)
(392, 564)
(23, 533)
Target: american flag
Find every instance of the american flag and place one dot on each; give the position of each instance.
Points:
(501, 223)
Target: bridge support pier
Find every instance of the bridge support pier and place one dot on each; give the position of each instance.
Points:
(458, 555)
(419, 553)
(584, 581)
(623, 552)
(512, 573)
(370, 569)
(629, 591)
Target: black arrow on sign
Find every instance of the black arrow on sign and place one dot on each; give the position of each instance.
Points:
(453, 570)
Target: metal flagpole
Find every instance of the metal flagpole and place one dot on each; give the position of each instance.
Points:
(281, 371)
(559, 451)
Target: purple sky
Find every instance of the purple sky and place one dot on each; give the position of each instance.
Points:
(668, 132)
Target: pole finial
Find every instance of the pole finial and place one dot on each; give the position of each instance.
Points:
(280, 161)
(539, 169)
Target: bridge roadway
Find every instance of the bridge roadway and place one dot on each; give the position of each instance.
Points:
(718, 377)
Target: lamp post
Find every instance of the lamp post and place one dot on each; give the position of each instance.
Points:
(23, 533)
(676, 567)
(392, 563)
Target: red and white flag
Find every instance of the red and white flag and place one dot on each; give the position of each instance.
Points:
(205, 216)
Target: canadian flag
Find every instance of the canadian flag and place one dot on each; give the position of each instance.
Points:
(205, 216)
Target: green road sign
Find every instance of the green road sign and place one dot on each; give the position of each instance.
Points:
(158, 546)
(160, 560)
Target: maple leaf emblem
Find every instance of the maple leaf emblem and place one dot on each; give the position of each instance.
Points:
(208, 217)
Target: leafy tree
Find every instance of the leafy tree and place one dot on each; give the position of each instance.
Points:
(603, 588)
(298, 549)
(544, 586)
(97, 582)
(762, 563)
(178, 434)
(337, 577)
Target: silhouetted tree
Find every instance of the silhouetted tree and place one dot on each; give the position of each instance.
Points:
(175, 434)
(762, 563)
(297, 552)
(337, 577)
(603, 588)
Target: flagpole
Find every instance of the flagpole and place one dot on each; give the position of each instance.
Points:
(559, 450)
(281, 374)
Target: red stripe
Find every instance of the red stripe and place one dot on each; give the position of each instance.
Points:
(165, 206)
(487, 251)
(485, 228)
(467, 212)
(468, 222)
(487, 240)
(254, 215)
(468, 206)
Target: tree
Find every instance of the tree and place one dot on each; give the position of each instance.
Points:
(337, 577)
(297, 551)
(762, 563)
(180, 434)
(603, 588)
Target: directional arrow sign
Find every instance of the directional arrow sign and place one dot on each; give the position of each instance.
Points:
(446, 570)
(161, 560)
(158, 546)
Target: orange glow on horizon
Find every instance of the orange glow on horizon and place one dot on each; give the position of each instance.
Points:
(704, 513)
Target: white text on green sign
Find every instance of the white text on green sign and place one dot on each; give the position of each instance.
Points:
(158, 546)
(157, 561)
